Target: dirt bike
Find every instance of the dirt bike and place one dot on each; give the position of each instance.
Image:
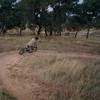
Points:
(27, 49)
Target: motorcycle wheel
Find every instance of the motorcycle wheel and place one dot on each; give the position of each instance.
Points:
(21, 51)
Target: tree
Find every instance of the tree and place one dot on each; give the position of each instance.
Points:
(6, 15)
(90, 10)
(36, 12)
(40, 17)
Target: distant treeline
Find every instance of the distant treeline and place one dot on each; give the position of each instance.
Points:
(53, 16)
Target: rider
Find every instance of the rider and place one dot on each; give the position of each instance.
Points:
(32, 43)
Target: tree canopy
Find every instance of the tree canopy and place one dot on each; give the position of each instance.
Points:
(69, 14)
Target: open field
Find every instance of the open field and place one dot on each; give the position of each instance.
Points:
(59, 44)
(62, 69)
(66, 63)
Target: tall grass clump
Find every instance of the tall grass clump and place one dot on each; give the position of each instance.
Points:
(82, 77)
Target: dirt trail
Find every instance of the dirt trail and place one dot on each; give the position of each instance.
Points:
(12, 58)
(6, 60)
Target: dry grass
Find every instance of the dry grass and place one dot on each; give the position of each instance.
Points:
(63, 70)
(80, 78)
(84, 77)
(60, 44)
(8, 43)
(73, 79)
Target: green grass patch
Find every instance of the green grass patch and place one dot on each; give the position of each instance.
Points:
(5, 95)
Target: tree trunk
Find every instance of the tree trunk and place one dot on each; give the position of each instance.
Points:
(88, 31)
(46, 32)
(59, 33)
(0, 31)
(51, 32)
(76, 34)
(39, 30)
(20, 32)
(3, 30)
